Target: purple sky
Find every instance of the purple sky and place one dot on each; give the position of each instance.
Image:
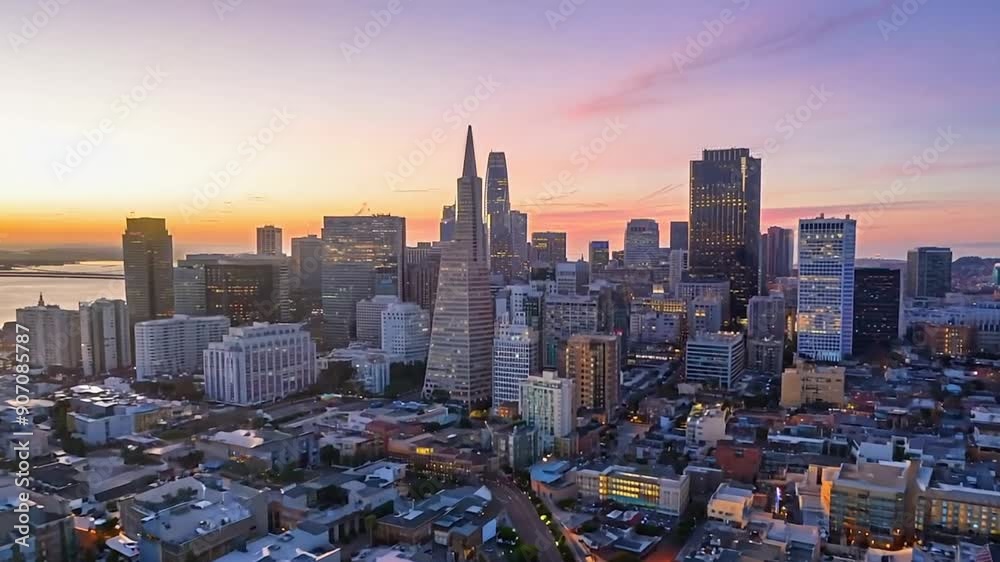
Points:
(535, 85)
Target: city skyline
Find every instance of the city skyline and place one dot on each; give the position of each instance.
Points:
(332, 151)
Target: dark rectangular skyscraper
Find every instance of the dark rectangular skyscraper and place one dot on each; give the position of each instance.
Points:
(245, 288)
(678, 235)
(364, 257)
(928, 272)
(725, 221)
(599, 254)
(876, 307)
(779, 247)
(549, 247)
(519, 243)
(447, 228)
(148, 252)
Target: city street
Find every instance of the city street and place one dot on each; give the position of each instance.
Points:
(525, 520)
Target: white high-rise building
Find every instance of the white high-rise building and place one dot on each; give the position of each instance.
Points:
(715, 359)
(515, 356)
(104, 338)
(260, 364)
(54, 335)
(269, 241)
(678, 261)
(406, 331)
(547, 403)
(368, 314)
(171, 346)
(826, 288)
(642, 243)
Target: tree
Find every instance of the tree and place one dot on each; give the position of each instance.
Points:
(440, 395)
(329, 455)
(370, 522)
(113, 556)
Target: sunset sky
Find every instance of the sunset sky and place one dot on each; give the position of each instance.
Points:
(535, 85)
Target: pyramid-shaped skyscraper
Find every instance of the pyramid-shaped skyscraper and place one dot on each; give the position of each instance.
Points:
(460, 358)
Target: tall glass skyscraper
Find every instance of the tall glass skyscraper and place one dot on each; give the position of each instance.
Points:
(779, 247)
(724, 223)
(928, 272)
(519, 243)
(642, 243)
(498, 216)
(678, 235)
(364, 257)
(876, 307)
(460, 358)
(148, 252)
(826, 288)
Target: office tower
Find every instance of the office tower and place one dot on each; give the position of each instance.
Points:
(148, 253)
(515, 357)
(461, 348)
(876, 308)
(826, 288)
(617, 258)
(564, 316)
(519, 243)
(766, 355)
(523, 304)
(725, 221)
(546, 402)
(779, 245)
(269, 241)
(678, 265)
(364, 257)
(679, 235)
(423, 265)
(406, 332)
(189, 289)
(766, 334)
(704, 314)
(498, 216)
(572, 278)
(549, 247)
(599, 254)
(766, 315)
(174, 346)
(642, 243)
(692, 287)
(259, 364)
(717, 360)
(104, 338)
(369, 318)
(928, 272)
(245, 288)
(447, 228)
(54, 335)
(874, 503)
(307, 264)
(592, 362)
